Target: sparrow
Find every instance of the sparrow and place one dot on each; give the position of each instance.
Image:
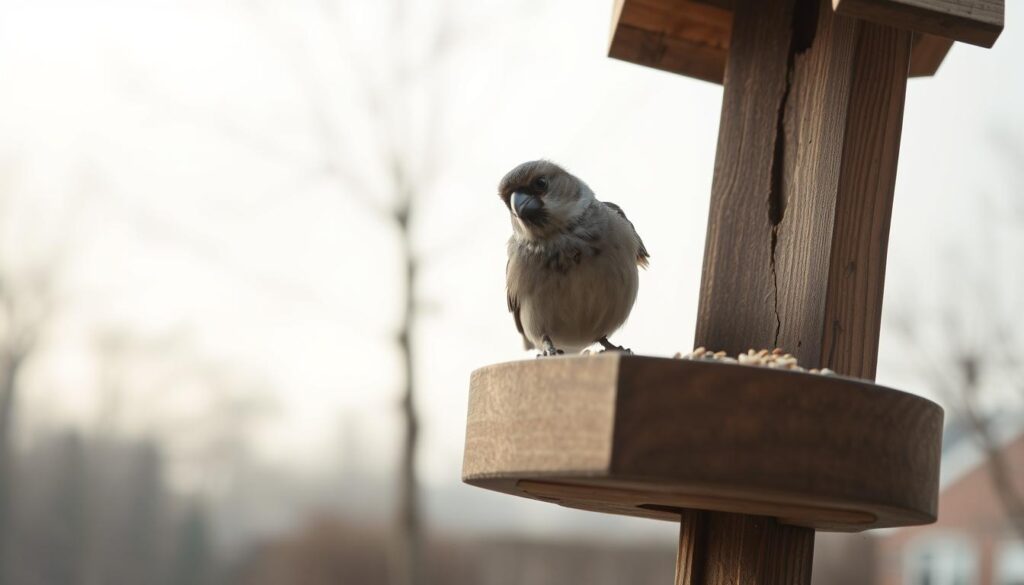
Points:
(572, 272)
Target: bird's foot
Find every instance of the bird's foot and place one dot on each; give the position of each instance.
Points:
(609, 346)
(549, 348)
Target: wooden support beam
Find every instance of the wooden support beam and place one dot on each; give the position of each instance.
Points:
(863, 205)
(803, 185)
(716, 547)
(978, 22)
(692, 544)
(927, 54)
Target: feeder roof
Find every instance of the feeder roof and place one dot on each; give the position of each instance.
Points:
(691, 37)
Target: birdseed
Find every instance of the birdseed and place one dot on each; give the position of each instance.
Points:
(765, 358)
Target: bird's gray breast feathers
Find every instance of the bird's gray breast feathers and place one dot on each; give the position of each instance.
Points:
(578, 285)
(560, 255)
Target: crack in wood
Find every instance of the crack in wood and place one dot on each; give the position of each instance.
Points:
(775, 286)
(776, 193)
(803, 29)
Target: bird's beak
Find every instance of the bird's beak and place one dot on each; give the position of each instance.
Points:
(525, 206)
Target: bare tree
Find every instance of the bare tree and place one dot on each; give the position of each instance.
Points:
(959, 378)
(27, 294)
(971, 340)
(404, 102)
(384, 153)
(19, 333)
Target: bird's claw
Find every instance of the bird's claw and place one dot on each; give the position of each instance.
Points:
(609, 346)
(549, 348)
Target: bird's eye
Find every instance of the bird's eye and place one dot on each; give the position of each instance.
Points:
(540, 184)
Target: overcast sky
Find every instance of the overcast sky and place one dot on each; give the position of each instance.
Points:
(176, 141)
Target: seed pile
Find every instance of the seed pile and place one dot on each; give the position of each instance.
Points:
(765, 358)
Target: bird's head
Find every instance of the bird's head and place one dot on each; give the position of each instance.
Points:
(543, 198)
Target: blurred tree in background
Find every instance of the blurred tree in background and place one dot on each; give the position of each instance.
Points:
(967, 343)
(28, 273)
(389, 169)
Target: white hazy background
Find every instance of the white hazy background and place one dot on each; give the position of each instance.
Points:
(166, 149)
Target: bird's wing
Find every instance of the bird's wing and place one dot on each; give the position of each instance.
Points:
(513, 305)
(641, 254)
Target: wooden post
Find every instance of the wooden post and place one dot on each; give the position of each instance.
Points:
(716, 547)
(802, 193)
(798, 228)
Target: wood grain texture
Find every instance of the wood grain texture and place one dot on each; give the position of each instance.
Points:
(737, 292)
(811, 160)
(825, 452)
(864, 197)
(693, 527)
(756, 550)
(691, 37)
(681, 36)
(978, 22)
(803, 187)
(558, 419)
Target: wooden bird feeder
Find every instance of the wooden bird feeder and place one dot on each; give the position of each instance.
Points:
(751, 461)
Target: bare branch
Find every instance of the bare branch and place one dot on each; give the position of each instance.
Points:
(957, 371)
(998, 464)
(321, 121)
